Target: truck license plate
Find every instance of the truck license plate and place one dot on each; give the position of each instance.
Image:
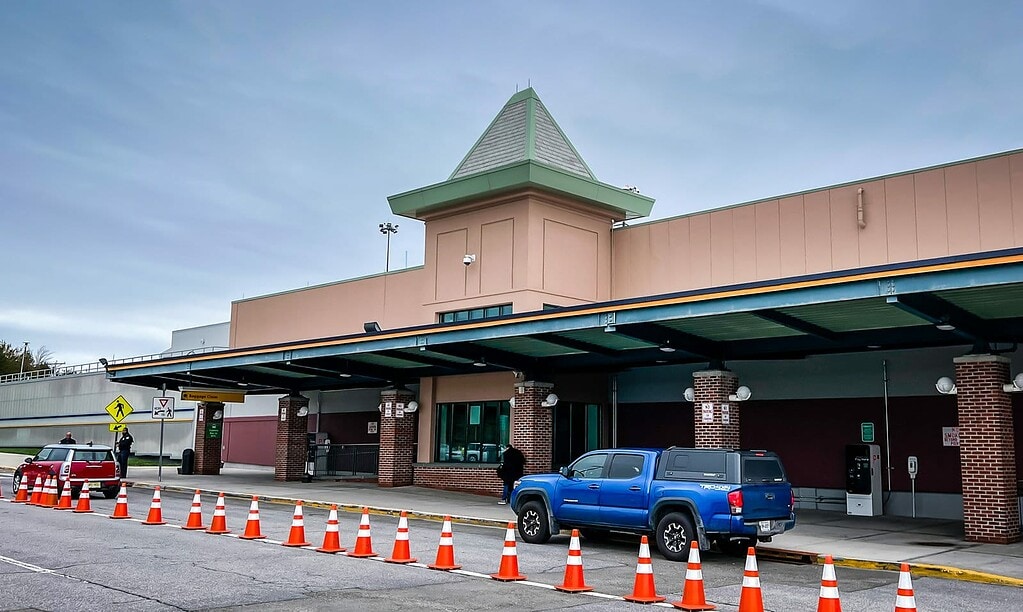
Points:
(766, 526)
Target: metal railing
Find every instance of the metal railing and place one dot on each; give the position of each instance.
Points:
(96, 367)
(347, 460)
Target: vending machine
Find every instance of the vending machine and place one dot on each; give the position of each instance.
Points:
(863, 480)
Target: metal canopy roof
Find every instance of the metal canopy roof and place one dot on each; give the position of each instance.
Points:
(974, 301)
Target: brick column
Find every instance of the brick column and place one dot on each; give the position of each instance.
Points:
(209, 431)
(713, 387)
(292, 442)
(987, 455)
(397, 435)
(533, 425)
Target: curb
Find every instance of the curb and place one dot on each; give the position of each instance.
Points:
(918, 569)
(354, 508)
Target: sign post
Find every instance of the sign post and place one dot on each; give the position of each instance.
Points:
(163, 409)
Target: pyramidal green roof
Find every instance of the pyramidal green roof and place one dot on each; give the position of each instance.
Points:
(522, 131)
(522, 148)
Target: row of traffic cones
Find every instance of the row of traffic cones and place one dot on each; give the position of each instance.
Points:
(644, 591)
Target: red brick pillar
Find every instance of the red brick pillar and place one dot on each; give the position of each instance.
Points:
(292, 440)
(397, 435)
(209, 431)
(717, 419)
(533, 425)
(987, 455)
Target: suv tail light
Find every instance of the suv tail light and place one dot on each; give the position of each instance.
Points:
(735, 501)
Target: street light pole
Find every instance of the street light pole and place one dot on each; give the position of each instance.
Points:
(24, 351)
(387, 229)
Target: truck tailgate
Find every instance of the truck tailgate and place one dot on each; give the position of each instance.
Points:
(766, 501)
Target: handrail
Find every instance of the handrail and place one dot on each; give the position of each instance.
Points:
(97, 367)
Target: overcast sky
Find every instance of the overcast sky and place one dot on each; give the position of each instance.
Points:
(161, 159)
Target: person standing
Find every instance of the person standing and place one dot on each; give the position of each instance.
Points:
(513, 465)
(123, 450)
(68, 439)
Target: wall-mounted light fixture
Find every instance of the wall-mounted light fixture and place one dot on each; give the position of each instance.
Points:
(666, 347)
(468, 259)
(689, 394)
(412, 406)
(741, 394)
(945, 386)
(945, 325)
(371, 326)
(550, 401)
(511, 402)
(1016, 386)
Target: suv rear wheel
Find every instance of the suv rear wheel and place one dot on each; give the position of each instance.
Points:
(534, 526)
(674, 534)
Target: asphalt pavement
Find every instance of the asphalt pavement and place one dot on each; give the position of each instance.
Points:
(932, 547)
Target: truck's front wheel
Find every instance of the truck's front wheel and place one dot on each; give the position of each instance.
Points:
(674, 534)
(534, 527)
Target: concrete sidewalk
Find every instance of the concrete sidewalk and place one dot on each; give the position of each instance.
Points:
(931, 547)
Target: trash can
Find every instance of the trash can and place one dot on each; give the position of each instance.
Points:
(187, 462)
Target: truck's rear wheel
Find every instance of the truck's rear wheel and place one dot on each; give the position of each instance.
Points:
(674, 534)
(534, 526)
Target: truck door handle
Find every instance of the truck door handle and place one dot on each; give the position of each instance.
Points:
(594, 486)
(634, 488)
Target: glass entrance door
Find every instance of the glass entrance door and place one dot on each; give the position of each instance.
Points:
(576, 430)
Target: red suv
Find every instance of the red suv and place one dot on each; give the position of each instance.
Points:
(77, 462)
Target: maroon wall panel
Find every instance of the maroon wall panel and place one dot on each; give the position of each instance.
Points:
(250, 440)
(811, 435)
(656, 425)
(351, 427)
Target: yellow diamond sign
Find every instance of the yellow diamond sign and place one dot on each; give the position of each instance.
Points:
(119, 409)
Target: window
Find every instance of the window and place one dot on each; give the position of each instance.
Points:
(471, 432)
(625, 467)
(590, 466)
(760, 470)
(58, 454)
(475, 314)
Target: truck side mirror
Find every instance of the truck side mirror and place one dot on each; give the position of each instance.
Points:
(564, 471)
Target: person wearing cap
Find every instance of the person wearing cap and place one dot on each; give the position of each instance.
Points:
(123, 450)
(68, 439)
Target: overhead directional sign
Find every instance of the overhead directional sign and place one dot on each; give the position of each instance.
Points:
(117, 426)
(119, 409)
(212, 395)
(163, 407)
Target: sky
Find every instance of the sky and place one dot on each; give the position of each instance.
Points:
(159, 160)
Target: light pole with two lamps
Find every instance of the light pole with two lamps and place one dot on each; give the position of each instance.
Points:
(24, 352)
(387, 229)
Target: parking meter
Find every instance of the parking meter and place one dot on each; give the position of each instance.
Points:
(912, 467)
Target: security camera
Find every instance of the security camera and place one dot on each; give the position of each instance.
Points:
(468, 259)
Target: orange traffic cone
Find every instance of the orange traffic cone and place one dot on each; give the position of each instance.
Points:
(21, 497)
(37, 492)
(84, 502)
(401, 553)
(155, 510)
(828, 600)
(121, 509)
(574, 582)
(219, 524)
(195, 514)
(364, 541)
(446, 549)
(296, 537)
(643, 590)
(693, 597)
(64, 503)
(751, 599)
(509, 569)
(50, 492)
(331, 538)
(905, 601)
(252, 531)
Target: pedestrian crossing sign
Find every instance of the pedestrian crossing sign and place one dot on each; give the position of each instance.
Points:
(119, 409)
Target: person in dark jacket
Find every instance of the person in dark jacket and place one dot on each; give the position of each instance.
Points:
(123, 450)
(68, 439)
(513, 465)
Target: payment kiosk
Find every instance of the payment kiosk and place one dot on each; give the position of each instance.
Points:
(863, 480)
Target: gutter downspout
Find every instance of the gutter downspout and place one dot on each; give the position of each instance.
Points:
(860, 219)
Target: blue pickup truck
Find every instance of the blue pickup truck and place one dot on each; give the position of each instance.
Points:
(726, 497)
